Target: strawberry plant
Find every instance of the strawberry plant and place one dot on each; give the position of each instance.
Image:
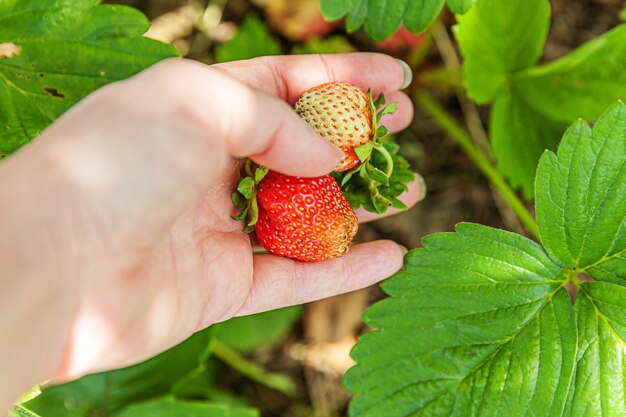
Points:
(532, 104)
(383, 17)
(485, 322)
(73, 48)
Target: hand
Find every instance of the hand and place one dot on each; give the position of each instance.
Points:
(118, 229)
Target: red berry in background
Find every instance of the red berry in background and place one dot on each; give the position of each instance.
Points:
(298, 20)
(307, 219)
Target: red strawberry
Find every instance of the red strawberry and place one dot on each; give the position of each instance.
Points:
(349, 161)
(340, 112)
(307, 219)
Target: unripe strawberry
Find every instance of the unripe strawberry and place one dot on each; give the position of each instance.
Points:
(307, 219)
(342, 113)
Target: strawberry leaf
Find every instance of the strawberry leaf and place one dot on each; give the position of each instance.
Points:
(383, 17)
(170, 407)
(499, 38)
(380, 101)
(581, 84)
(358, 189)
(65, 49)
(481, 322)
(364, 151)
(389, 109)
(519, 136)
(397, 204)
(376, 174)
(254, 213)
(248, 333)
(460, 6)
(244, 198)
(260, 173)
(598, 387)
(151, 379)
(382, 131)
(581, 209)
(246, 187)
(239, 201)
(379, 202)
(460, 334)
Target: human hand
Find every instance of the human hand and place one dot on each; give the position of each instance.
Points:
(121, 210)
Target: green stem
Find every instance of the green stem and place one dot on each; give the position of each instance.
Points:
(252, 370)
(462, 138)
(388, 160)
(248, 168)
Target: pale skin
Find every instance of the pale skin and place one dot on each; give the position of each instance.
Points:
(116, 240)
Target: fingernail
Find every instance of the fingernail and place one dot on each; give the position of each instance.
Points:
(403, 249)
(423, 187)
(408, 74)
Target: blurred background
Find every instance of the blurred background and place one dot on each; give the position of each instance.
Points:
(311, 346)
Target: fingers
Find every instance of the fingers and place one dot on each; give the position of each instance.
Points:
(415, 194)
(288, 77)
(281, 282)
(250, 122)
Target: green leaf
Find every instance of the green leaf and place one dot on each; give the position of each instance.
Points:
(253, 214)
(240, 203)
(358, 190)
(581, 84)
(460, 6)
(147, 380)
(336, 9)
(599, 384)
(581, 209)
(383, 17)
(169, 407)
(260, 173)
(478, 325)
(248, 333)
(421, 14)
(67, 49)
(376, 174)
(395, 203)
(382, 131)
(379, 102)
(519, 136)
(356, 16)
(253, 39)
(379, 202)
(499, 38)
(391, 108)
(330, 45)
(246, 187)
(364, 151)
(19, 411)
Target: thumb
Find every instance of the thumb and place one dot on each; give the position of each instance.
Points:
(252, 123)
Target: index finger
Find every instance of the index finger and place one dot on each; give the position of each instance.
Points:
(288, 77)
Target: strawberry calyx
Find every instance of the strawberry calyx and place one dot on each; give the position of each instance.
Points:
(244, 198)
(375, 175)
